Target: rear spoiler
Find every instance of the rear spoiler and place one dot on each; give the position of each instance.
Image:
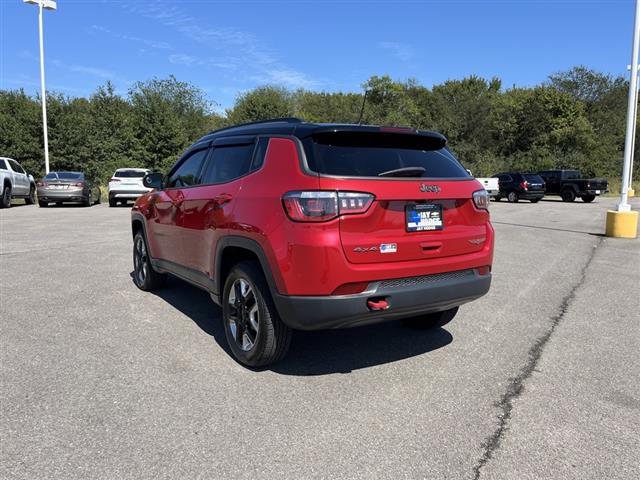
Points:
(409, 136)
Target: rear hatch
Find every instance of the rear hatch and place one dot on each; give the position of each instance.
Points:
(535, 183)
(128, 180)
(423, 206)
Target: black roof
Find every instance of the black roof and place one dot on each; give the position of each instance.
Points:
(296, 127)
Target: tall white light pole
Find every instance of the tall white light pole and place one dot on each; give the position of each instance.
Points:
(633, 141)
(624, 206)
(43, 5)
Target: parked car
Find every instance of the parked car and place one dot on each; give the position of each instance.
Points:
(16, 183)
(67, 187)
(126, 184)
(516, 186)
(569, 184)
(490, 184)
(292, 225)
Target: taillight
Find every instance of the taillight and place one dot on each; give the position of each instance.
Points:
(321, 206)
(524, 185)
(354, 202)
(481, 199)
(79, 184)
(114, 180)
(41, 184)
(588, 185)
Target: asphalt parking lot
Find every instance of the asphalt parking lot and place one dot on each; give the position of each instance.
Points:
(539, 379)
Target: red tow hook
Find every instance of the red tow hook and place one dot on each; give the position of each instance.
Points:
(378, 304)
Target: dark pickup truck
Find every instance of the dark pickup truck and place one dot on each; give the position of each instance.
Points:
(569, 184)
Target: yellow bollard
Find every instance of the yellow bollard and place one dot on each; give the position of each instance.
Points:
(631, 193)
(622, 224)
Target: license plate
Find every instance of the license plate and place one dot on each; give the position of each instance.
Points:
(597, 192)
(424, 217)
(58, 187)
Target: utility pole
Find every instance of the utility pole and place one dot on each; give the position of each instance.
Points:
(622, 222)
(43, 5)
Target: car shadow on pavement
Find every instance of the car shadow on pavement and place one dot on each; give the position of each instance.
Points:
(320, 352)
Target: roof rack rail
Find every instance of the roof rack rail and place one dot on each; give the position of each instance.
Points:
(271, 120)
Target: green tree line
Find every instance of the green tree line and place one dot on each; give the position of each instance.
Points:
(575, 119)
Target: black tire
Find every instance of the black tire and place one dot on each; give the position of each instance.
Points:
(31, 199)
(5, 200)
(42, 204)
(144, 276)
(535, 200)
(498, 198)
(112, 202)
(513, 197)
(431, 320)
(251, 346)
(87, 202)
(588, 198)
(568, 195)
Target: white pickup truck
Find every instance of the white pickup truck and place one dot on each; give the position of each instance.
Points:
(15, 183)
(490, 184)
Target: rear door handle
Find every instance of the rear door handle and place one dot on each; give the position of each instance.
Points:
(222, 198)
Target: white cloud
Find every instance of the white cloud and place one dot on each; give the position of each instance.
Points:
(130, 38)
(249, 58)
(286, 77)
(401, 51)
(182, 59)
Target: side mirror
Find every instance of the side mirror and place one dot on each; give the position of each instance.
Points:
(153, 180)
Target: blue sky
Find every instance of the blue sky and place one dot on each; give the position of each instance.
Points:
(227, 47)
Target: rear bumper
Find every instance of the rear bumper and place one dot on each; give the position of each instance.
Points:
(406, 297)
(127, 193)
(66, 195)
(531, 195)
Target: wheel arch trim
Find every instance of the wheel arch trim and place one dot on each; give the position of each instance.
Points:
(246, 244)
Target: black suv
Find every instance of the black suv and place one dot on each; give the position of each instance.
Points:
(520, 186)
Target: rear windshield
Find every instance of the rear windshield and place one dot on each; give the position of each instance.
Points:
(373, 154)
(533, 178)
(129, 173)
(64, 176)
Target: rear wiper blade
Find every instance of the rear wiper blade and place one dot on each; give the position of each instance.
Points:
(404, 172)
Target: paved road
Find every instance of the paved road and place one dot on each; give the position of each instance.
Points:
(539, 379)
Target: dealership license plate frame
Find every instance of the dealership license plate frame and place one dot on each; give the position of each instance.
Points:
(424, 217)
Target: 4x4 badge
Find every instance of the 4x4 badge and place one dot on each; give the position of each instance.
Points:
(429, 188)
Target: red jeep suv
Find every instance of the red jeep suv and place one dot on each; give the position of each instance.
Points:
(292, 225)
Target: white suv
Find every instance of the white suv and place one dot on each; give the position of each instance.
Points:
(15, 183)
(126, 184)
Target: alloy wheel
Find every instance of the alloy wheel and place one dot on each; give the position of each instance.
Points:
(243, 314)
(140, 261)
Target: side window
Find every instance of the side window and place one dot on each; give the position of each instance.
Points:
(228, 163)
(16, 167)
(260, 153)
(186, 175)
(3, 165)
